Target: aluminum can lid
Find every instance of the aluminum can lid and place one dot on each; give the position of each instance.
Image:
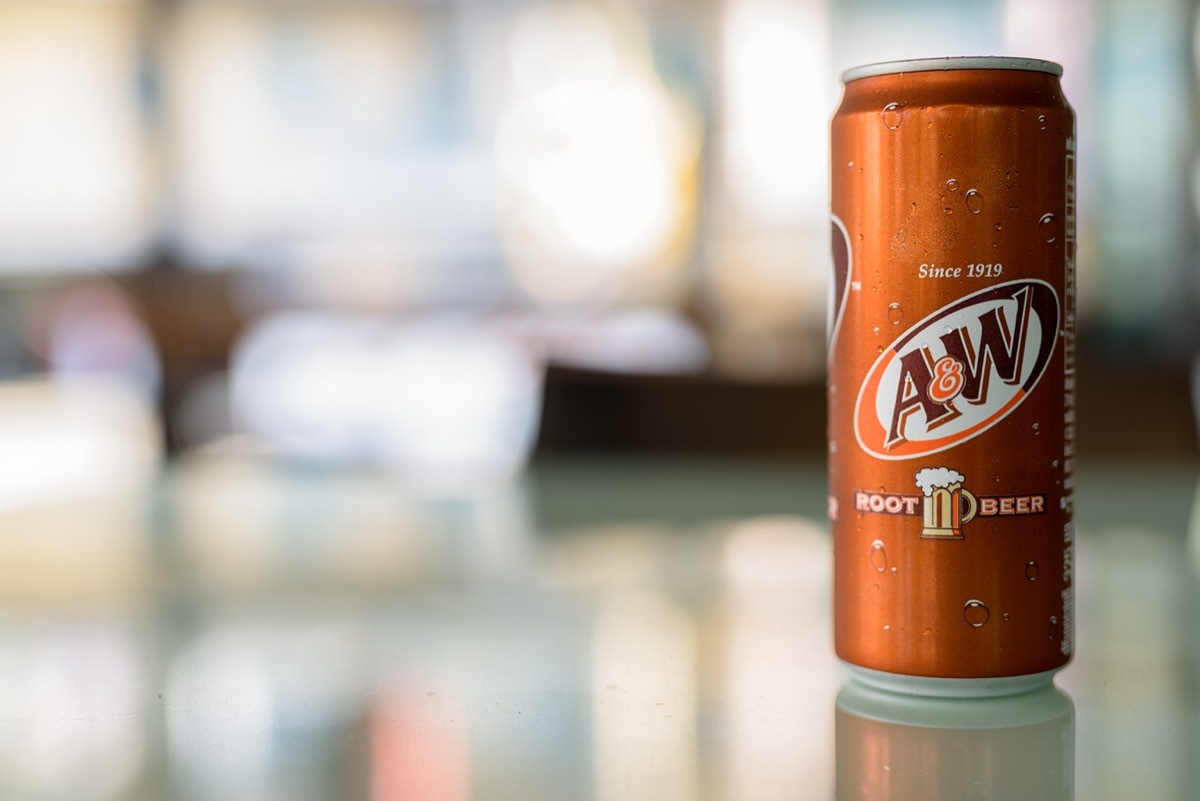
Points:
(952, 63)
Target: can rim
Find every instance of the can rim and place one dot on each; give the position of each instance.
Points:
(952, 63)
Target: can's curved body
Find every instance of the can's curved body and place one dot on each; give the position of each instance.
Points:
(951, 373)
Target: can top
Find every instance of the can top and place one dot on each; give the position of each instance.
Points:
(952, 63)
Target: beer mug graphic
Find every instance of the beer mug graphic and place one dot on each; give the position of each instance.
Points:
(944, 513)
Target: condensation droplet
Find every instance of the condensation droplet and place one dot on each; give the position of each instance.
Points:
(999, 227)
(1031, 571)
(832, 447)
(976, 613)
(875, 330)
(926, 632)
(1048, 228)
(1053, 627)
(887, 628)
(1037, 429)
(952, 185)
(1042, 122)
(879, 349)
(1054, 463)
(1005, 617)
(893, 115)
(895, 314)
(878, 556)
(996, 477)
(978, 791)
(947, 210)
(974, 201)
(894, 571)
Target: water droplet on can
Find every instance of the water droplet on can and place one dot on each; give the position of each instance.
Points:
(893, 115)
(1031, 571)
(947, 210)
(1048, 228)
(1005, 617)
(1053, 627)
(1037, 429)
(894, 313)
(974, 201)
(894, 571)
(999, 227)
(952, 185)
(878, 556)
(887, 628)
(978, 791)
(875, 330)
(976, 613)
(1042, 122)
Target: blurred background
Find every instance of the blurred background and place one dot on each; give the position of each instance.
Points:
(321, 321)
(458, 233)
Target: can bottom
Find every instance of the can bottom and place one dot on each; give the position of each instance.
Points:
(935, 687)
(995, 712)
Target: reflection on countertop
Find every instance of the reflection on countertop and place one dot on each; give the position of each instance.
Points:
(896, 748)
(627, 629)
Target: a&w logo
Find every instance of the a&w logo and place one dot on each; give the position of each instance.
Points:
(958, 372)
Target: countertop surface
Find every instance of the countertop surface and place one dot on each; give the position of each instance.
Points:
(599, 629)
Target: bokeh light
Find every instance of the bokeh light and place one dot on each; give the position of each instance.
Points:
(598, 160)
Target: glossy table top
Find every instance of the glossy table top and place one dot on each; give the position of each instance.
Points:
(587, 630)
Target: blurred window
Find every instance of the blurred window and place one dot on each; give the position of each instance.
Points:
(328, 138)
(75, 178)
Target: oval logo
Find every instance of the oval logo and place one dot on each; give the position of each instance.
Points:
(958, 372)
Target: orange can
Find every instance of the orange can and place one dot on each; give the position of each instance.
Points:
(952, 374)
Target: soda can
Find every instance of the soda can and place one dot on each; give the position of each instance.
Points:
(900, 748)
(951, 374)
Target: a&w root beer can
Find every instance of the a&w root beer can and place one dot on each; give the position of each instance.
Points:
(951, 374)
